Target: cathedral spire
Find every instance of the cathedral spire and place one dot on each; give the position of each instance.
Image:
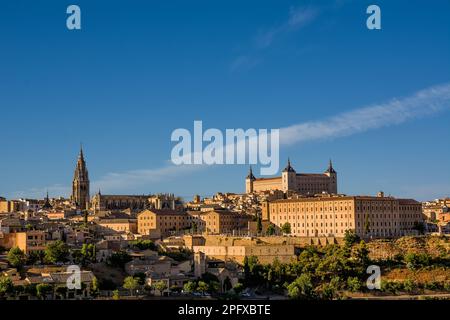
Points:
(250, 174)
(80, 184)
(47, 204)
(81, 156)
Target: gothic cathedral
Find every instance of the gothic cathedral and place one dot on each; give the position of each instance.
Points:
(80, 185)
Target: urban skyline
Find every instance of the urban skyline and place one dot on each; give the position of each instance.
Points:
(135, 73)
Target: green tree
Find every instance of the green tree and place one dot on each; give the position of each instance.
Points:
(94, 286)
(16, 258)
(130, 283)
(214, 287)
(88, 252)
(409, 286)
(144, 244)
(6, 286)
(354, 284)
(301, 288)
(161, 286)
(328, 292)
(238, 288)
(286, 228)
(189, 287)
(35, 257)
(202, 287)
(362, 254)
(350, 238)
(56, 252)
(42, 289)
(270, 230)
(417, 260)
(116, 295)
(119, 259)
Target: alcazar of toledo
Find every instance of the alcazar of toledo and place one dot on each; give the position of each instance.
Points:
(290, 180)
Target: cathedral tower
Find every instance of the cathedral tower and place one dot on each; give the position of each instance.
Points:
(80, 185)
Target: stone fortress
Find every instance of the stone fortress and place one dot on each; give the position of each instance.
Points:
(290, 180)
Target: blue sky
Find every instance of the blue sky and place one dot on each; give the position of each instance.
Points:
(140, 69)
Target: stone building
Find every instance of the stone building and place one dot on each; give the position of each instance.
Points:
(332, 215)
(161, 223)
(101, 202)
(290, 180)
(80, 185)
(220, 221)
(266, 254)
(28, 241)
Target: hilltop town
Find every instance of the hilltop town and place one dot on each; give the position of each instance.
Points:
(291, 236)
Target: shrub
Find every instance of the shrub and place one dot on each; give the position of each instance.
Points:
(354, 284)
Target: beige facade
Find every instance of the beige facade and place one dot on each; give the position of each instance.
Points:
(118, 225)
(10, 205)
(162, 221)
(101, 202)
(290, 180)
(437, 210)
(220, 221)
(265, 253)
(28, 241)
(332, 216)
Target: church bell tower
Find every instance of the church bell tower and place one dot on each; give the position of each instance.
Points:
(80, 185)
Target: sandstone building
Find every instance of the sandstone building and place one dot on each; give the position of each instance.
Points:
(332, 215)
(101, 202)
(160, 223)
(220, 221)
(290, 180)
(80, 185)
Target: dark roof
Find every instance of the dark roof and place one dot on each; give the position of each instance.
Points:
(289, 167)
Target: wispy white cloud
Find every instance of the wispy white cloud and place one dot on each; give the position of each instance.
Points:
(394, 112)
(244, 63)
(117, 181)
(423, 103)
(298, 18)
(55, 190)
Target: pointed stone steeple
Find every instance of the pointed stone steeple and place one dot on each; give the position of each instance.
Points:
(288, 167)
(330, 168)
(47, 204)
(80, 185)
(250, 174)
